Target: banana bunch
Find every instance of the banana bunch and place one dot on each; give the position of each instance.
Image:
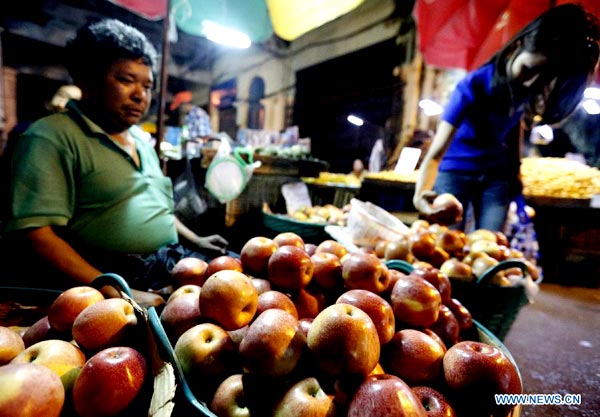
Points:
(559, 177)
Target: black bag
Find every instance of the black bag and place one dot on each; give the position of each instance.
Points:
(189, 203)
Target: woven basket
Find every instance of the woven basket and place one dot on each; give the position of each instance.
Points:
(495, 307)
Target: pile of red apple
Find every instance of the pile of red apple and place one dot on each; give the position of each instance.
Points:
(298, 329)
(459, 255)
(87, 357)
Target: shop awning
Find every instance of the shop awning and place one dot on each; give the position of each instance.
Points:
(466, 33)
(259, 19)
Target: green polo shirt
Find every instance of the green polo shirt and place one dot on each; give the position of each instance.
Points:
(68, 172)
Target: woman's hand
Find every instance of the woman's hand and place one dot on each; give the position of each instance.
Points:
(423, 202)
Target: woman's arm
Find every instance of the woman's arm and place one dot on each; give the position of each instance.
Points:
(429, 168)
(51, 247)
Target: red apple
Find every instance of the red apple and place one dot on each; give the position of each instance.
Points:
(61, 357)
(310, 248)
(422, 245)
(397, 249)
(273, 344)
(383, 396)
(229, 400)
(30, 390)
(290, 268)
(203, 351)
(344, 340)
(305, 398)
(419, 225)
(184, 289)
(377, 308)
(457, 269)
(474, 372)
(237, 335)
(223, 263)
(309, 302)
(261, 285)
(276, 299)
(229, 298)
(415, 301)
(435, 337)
(448, 209)
(435, 403)
(452, 241)
(181, 313)
(11, 344)
(41, 330)
(437, 278)
(480, 234)
(109, 381)
(189, 270)
(380, 248)
(446, 326)
(289, 238)
(332, 246)
(438, 257)
(462, 314)
(305, 324)
(67, 306)
(107, 323)
(365, 271)
(414, 357)
(327, 272)
(394, 275)
(255, 255)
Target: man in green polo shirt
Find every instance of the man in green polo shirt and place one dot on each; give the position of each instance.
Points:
(87, 188)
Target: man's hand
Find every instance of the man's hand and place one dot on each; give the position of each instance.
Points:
(147, 299)
(213, 242)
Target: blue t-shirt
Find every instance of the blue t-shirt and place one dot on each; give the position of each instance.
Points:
(480, 143)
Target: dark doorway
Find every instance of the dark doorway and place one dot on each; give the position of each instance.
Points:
(360, 83)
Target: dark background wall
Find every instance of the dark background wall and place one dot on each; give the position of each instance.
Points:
(360, 83)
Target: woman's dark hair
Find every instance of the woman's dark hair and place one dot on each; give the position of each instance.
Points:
(98, 45)
(569, 37)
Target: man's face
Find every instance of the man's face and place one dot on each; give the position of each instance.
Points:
(126, 94)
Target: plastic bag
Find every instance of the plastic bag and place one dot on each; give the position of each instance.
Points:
(229, 172)
(189, 204)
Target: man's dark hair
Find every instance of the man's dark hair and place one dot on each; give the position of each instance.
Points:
(98, 45)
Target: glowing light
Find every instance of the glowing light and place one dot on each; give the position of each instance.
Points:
(545, 131)
(591, 106)
(355, 120)
(592, 93)
(224, 35)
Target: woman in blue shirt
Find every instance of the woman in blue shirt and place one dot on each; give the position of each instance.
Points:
(541, 73)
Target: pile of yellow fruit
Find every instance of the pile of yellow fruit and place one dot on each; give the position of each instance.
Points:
(393, 176)
(559, 177)
(334, 178)
(327, 214)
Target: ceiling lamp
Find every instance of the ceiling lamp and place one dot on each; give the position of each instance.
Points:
(293, 18)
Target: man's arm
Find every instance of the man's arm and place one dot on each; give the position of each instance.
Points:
(51, 247)
(212, 242)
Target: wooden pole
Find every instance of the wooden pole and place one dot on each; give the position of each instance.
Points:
(160, 123)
